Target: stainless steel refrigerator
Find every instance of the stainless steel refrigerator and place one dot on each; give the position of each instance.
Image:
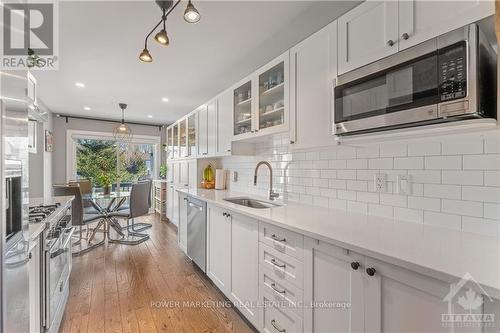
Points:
(14, 228)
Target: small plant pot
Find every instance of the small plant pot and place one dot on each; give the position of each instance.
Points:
(107, 190)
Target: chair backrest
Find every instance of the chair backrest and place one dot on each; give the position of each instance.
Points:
(77, 204)
(85, 185)
(140, 199)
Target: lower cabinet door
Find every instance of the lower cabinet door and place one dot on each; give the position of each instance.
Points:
(276, 320)
(400, 300)
(170, 202)
(219, 248)
(333, 289)
(182, 229)
(245, 266)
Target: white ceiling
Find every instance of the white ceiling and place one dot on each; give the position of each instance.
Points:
(100, 43)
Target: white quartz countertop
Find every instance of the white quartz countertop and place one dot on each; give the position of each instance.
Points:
(438, 252)
(35, 229)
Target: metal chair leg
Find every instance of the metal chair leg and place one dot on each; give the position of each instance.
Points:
(140, 237)
(89, 240)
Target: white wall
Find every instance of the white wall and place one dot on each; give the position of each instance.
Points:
(455, 179)
(60, 128)
(40, 164)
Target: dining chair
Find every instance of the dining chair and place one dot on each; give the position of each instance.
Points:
(81, 216)
(139, 204)
(85, 188)
(138, 227)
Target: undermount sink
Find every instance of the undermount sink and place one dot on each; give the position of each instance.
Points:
(252, 203)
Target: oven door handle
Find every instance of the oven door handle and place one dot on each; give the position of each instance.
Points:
(64, 247)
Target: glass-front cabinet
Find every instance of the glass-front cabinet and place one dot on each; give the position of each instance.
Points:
(182, 138)
(272, 97)
(170, 143)
(261, 102)
(191, 135)
(243, 108)
(176, 140)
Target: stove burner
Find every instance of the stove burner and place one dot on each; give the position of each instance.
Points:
(40, 213)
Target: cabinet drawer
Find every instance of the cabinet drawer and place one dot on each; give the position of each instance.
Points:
(284, 295)
(277, 321)
(284, 241)
(282, 267)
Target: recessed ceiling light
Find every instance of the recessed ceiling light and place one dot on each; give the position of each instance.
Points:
(87, 108)
(80, 84)
(150, 116)
(164, 99)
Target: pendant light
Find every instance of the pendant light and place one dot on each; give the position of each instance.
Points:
(191, 15)
(122, 133)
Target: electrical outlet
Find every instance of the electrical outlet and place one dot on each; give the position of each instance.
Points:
(380, 180)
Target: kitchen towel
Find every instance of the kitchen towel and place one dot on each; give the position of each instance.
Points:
(220, 179)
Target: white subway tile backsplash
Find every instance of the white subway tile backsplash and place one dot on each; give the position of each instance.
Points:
(410, 215)
(459, 207)
(443, 220)
(443, 162)
(462, 177)
(357, 207)
(482, 162)
(481, 193)
(454, 180)
(481, 226)
(380, 163)
(424, 148)
(492, 178)
(408, 163)
(393, 149)
(442, 191)
(433, 204)
(492, 211)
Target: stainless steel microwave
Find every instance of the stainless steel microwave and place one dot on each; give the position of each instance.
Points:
(448, 78)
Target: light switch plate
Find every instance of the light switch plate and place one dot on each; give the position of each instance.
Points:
(404, 184)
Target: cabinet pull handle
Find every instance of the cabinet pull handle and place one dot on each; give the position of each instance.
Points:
(273, 285)
(355, 265)
(282, 240)
(370, 271)
(229, 150)
(292, 142)
(224, 214)
(390, 42)
(276, 327)
(275, 263)
(405, 36)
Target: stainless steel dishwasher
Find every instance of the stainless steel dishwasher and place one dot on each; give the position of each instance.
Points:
(197, 232)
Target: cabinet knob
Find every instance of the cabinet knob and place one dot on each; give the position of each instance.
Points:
(292, 142)
(224, 214)
(370, 271)
(355, 265)
(229, 150)
(390, 42)
(30, 256)
(228, 215)
(405, 36)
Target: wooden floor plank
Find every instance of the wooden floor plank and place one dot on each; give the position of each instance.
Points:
(125, 289)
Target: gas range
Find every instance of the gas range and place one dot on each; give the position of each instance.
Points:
(41, 212)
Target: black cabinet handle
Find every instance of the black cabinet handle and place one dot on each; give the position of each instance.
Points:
(273, 285)
(276, 326)
(276, 238)
(224, 214)
(355, 265)
(370, 271)
(228, 215)
(275, 263)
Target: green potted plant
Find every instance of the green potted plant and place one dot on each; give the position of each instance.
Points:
(163, 171)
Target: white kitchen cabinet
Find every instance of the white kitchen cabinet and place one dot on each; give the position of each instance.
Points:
(170, 202)
(245, 266)
(193, 173)
(202, 130)
(170, 143)
(397, 299)
(219, 248)
(313, 69)
(212, 127)
(34, 286)
(329, 278)
(182, 228)
(183, 174)
(224, 123)
(422, 20)
(367, 33)
(191, 135)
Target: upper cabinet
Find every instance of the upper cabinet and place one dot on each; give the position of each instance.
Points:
(367, 33)
(224, 122)
(207, 128)
(191, 135)
(423, 20)
(376, 29)
(261, 102)
(313, 66)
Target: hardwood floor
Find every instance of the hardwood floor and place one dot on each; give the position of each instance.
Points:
(120, 288)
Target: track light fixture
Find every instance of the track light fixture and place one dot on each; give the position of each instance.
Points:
(191, 15)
